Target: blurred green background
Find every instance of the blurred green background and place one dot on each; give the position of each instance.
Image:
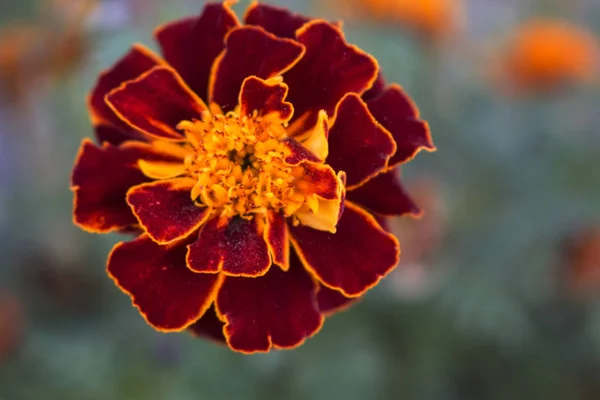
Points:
(489, 302)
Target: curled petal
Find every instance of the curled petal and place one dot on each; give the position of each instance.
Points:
(209, 326)
(165, 209)
(319, 179)
(156, 102)
(113, 135)
(275, 310)
(265, 97)
(101, 178)
(331, 301)
(329, 69)
(296, 153)
(323, 214)
(191, 45)
(397, 113)
(137, 61)
(249, 51)
(278, 21)
(315, 138)
(385, 195)
(358, 144)
(277, 237)
(161, 169)
(376, 89)
(234, 247)
(353, 259)
(169, 296)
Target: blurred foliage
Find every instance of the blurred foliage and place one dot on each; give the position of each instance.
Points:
(517, 175)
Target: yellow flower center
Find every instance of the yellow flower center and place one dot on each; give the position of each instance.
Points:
(238, 162)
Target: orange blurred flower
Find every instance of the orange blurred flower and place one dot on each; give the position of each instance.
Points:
(11, 324)
(433, 19)
(582, 261)
(545, 54)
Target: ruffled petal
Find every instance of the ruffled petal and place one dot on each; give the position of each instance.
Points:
(137, 61)
(296, 153)
(266, 98)
(331, 301)
(277, 237)
(397, 113)
(353, 259)
(156, 102)
(209, 326)
(358, 144)
(329, 69)
(385, 195)
(191, 45)
(113, 135)
(165, 209)
(376, 89)
(277, 310)
(234, 247)
(249, 51)
(169, 295)
(101, 178)
(278, 21)
(315, 138)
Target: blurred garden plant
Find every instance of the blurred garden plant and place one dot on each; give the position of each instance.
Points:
(257, 173)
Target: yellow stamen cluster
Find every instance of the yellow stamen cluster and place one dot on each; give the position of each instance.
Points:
(239, 165)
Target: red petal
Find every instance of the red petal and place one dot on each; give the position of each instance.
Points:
(137, 61)
(353, 259)
(275, 310)
(297, 153)
(156, 102)
(397, 113)
(384, 195)
(331, 301)
(277, 237)
(376, 90)
(191, 45)
(278, 21)
(167, 293)
(321, 180)
(329, 69)
(265, 97)
(101, 177)
(166, 210)
(112, 135)
(357, 144)
(234, 247)
(249, 51)
(209, 326)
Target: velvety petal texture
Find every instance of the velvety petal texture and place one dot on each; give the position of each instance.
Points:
(255, 166)
(277, 310)
(151, 273)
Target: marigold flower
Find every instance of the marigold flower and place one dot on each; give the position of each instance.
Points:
(255, 160)
(433, 19)
(582, 261)
(536, 59)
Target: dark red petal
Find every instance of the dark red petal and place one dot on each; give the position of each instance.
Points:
(384, 195)
(191, 45)
(167, 293)
(375, 90)
(112, 135)
(397, 113)
(209, 326)
(354, 258)
(297, 153)
(265, 97)
(358, 145)
(156, 102)
(165, 209)
(320, 179)
(277, 237)
(329, 69)
(249, 50)
(137, 61)
(278, 21)
(331, 301)
(275, 310)
(101, 178)
(234, 247)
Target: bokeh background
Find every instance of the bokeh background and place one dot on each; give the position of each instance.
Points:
(497, 295)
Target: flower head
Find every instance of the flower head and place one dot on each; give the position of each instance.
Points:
(256, 163)
(536, 60)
